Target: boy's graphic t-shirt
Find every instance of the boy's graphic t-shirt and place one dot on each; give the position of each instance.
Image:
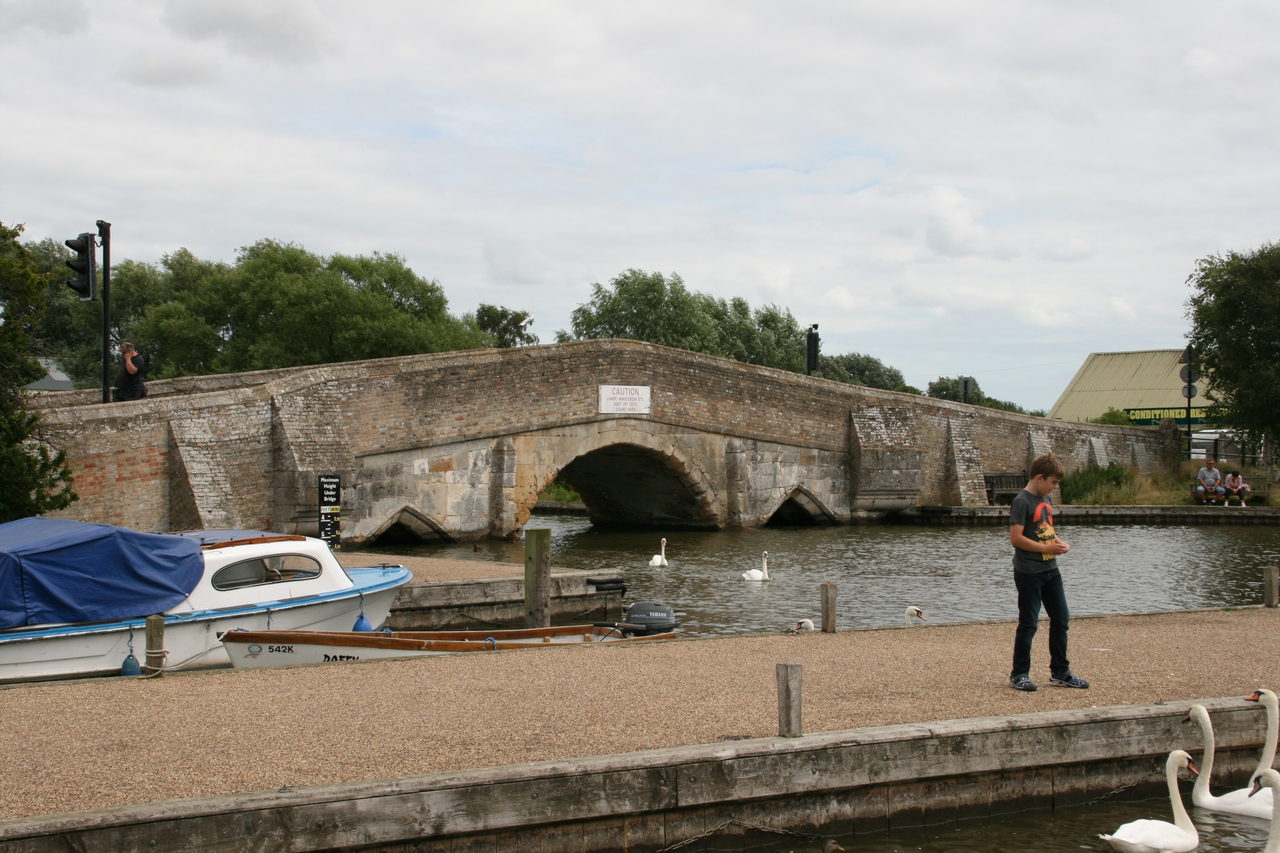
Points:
(1035, 514)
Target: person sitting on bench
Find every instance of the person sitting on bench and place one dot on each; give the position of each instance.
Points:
(1208, 484)
(1236, 487)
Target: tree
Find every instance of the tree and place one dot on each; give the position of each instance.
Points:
(857, 369)
(949, 388)
(35, 480)
(1234, 310)
(279, 305)
(650, 307)
(1113, 416)
(506, 327)
(645, 306)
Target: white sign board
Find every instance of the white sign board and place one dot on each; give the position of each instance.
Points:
(624, 399)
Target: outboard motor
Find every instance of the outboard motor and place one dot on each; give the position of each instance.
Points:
(645, 618)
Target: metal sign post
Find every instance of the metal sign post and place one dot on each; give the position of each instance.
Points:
(1189, 374)
(104, 233)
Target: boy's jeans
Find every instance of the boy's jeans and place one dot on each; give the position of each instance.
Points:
(1033, 590)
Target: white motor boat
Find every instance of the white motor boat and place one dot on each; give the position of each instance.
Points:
(74, 596)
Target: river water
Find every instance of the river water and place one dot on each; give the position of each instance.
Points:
(957, 574)
(1066, 830)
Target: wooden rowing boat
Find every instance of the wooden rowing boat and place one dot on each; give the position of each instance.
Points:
(250, 649)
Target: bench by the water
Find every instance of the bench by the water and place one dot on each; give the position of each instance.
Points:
(1256, 496)
(1003, 486)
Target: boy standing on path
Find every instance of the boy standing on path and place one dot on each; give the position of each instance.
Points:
(1035, 572)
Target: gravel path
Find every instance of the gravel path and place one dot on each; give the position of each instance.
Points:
(101, 743)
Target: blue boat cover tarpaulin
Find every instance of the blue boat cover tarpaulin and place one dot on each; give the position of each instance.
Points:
(54, 570)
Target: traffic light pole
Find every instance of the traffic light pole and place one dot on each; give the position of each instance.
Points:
(104, 233)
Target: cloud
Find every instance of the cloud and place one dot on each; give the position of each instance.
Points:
(55, 17)
(905, 174)
(287, 31)
(171, 69)
(1066, 250)
(954, 228)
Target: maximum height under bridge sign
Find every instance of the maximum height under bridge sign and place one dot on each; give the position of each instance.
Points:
(330, 491)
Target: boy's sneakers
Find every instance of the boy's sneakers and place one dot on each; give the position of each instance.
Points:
(1023, 683)
(1069, 680)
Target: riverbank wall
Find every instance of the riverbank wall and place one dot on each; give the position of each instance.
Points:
(860, 781)
(1079, 514)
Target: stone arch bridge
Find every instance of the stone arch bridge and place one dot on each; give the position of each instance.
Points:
(459, 445)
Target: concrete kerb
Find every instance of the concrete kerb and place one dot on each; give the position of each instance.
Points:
(832, 781)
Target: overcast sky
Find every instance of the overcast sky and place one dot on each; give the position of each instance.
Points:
(987, 188)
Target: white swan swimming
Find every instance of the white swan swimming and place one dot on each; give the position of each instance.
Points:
(913, 612)
(660, 559)
(1268, 781)
(760, 574)
(1239, 801)
(802, 625)
(1160, 836)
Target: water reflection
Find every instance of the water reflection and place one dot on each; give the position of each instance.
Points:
(1065, 830)
(958, 574)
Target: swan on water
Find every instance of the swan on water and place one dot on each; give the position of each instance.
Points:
(760, 574)
(1240, 801)
(660, 559)
(1272, 706)
(802, 625)
(913, 612)
(1160, 836)
(1268, 781)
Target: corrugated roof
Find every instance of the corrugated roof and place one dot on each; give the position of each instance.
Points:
(1147, 379)
(53, 380)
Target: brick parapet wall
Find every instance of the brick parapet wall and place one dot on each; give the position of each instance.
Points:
(266, 434)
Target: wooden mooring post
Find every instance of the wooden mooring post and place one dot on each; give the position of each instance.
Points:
(790, 683)
(537, 577)
(828, 608)
(1270, 575)
(154, 665)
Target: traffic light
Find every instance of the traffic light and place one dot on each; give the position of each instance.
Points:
(85, 280)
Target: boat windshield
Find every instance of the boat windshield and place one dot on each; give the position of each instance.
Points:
(276, 568)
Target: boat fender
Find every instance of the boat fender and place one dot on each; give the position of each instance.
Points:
(362, 623)
(130, 665)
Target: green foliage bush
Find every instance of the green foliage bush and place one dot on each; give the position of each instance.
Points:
(559, 490)
(1097, 485)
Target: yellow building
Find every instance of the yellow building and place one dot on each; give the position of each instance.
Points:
(1147, 385)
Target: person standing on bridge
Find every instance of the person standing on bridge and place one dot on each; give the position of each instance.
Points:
(1036, 548)
(133, 370)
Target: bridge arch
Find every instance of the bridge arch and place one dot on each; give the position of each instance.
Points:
(632, 477)
(409, 524)
(799, 508)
